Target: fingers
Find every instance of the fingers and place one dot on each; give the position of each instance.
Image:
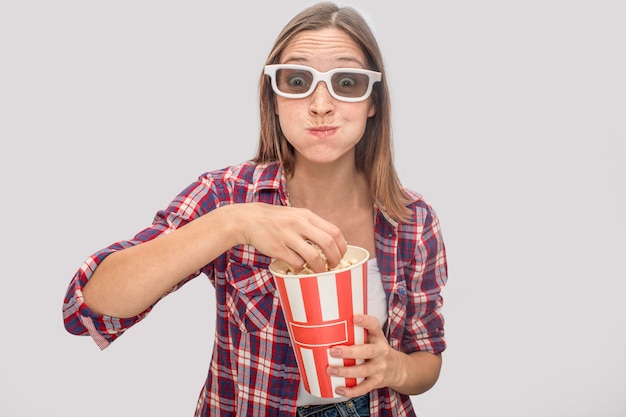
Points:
(373, 353)
(366, 371)
(370, 323)
(307, 254)
(302, 237)
(286, 233)
(324, 249)
(376, 342)
(306, 244)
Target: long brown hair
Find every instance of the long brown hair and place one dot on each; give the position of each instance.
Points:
(374, 155)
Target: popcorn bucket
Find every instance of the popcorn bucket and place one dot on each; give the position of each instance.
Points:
(319, 310)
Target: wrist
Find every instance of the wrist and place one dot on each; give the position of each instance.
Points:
(400, 359)
(416, 372)
(229, 223)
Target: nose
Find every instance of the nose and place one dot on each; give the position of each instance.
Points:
(321, 100)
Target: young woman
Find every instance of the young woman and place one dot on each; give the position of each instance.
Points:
(323, 173)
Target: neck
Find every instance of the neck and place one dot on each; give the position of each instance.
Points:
(328, 188)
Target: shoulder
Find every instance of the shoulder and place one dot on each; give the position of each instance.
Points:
(422, 211)
(248, 173)
(423, 227)
(420, 238)
(245, 182)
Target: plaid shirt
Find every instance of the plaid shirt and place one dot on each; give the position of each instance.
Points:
(253, 370)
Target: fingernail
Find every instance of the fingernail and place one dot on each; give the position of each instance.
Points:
(335, 352)
(332, 371)
(341, 392)
(358, 319)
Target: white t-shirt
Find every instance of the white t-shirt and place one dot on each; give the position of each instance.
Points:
(376, 306)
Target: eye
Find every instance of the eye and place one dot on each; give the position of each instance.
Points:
(296, 80)
(350, 84)
(346, 81)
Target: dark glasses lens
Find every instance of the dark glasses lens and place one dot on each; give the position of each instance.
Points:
(294, 81)
(350, 84)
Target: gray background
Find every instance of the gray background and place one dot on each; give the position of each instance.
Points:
(509, 116)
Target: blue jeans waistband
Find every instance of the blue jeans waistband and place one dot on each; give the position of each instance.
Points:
(354, 407)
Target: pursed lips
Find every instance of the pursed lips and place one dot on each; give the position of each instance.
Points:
(323, 131)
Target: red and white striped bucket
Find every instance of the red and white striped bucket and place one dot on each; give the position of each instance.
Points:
(319, 310)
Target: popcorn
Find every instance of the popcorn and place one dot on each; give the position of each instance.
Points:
(344, 263)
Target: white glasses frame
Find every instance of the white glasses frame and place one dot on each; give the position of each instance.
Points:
(373, 77)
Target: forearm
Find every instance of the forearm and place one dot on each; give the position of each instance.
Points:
(127, 282)
(416, 372)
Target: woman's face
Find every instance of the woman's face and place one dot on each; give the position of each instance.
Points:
(321, 128)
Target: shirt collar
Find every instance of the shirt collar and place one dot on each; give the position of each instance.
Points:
(270, 177)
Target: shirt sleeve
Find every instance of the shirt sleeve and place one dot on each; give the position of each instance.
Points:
(427, 275)
(78, 319)
(77, 316)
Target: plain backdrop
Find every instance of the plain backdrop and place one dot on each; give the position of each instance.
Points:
(509, 117)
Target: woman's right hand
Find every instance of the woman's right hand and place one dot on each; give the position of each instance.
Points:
(284, 233)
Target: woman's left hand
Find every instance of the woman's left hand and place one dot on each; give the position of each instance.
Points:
(381, 361)
(384, 366)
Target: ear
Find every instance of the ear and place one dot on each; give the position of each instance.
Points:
(371, 111)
